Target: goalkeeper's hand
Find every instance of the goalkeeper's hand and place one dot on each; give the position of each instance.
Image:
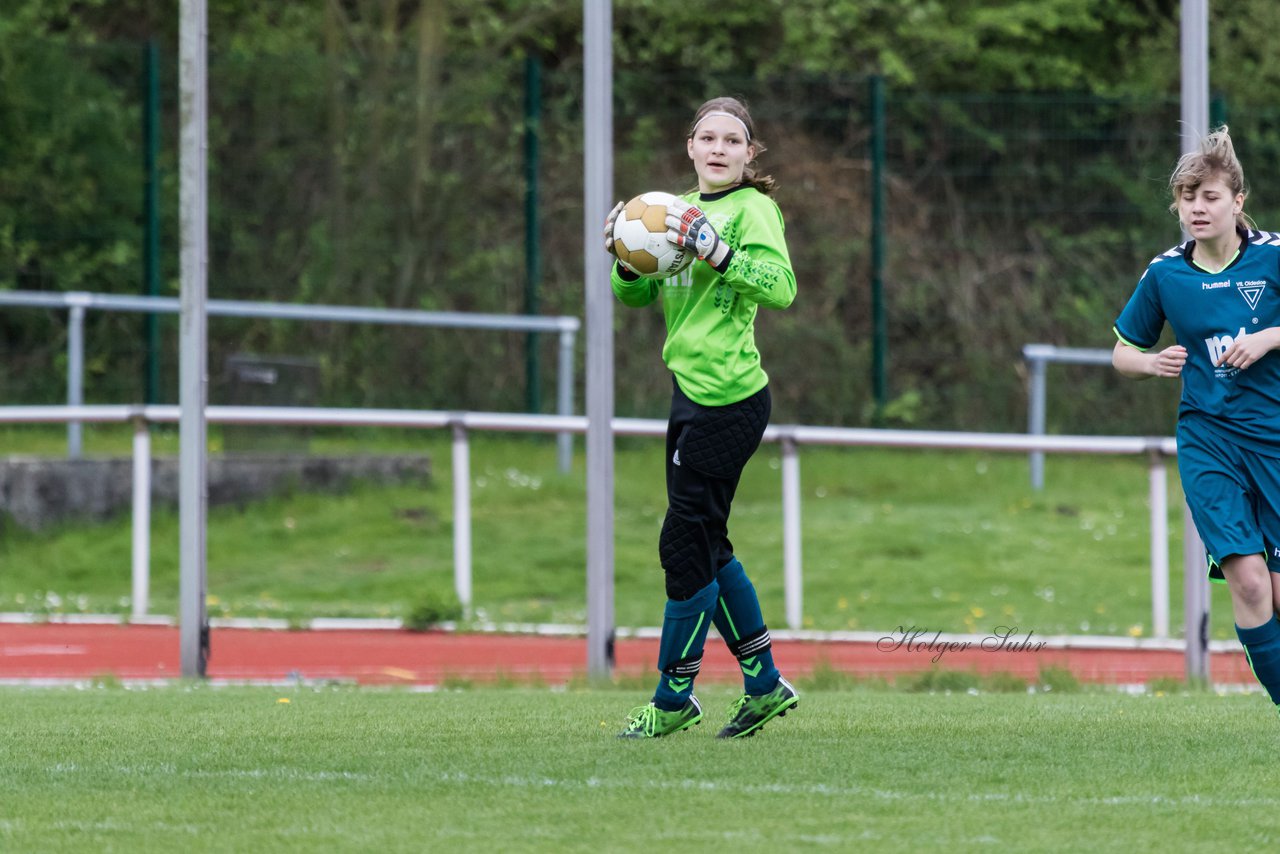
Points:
(687, 226)
(608, 228)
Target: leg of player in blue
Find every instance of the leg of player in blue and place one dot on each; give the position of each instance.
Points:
(766, 694)
(1262, 648)
(740, 623)
(1253, 603)
(684, 635)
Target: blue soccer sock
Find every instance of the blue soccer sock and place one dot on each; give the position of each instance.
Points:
(1262, 648)
(740, 623)
(684, 634)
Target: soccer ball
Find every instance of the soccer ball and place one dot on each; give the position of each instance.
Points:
(640, 238)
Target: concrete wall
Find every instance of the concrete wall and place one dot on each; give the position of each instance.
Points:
(38, 492)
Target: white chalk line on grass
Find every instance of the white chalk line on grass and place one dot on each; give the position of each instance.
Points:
(744, 789)
(133, 826)
(108, 826)
(167, 770)
(103, 826)
(825, 790)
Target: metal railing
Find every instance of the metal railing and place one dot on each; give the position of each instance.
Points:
(77, 303)
(1038, 356)
(789, 437)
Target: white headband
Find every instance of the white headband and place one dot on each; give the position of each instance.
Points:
(726, 115)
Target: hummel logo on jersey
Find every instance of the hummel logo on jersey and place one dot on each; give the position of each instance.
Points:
(1252, 292)
(676, 459)
(1213, 286)
(1220, 344)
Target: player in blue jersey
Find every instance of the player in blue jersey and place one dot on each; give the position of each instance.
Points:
(1220, 293)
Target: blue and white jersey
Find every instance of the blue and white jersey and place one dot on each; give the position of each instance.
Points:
(1208, 312)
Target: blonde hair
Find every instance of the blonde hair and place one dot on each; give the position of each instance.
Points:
(738, 110)
(1216, 158)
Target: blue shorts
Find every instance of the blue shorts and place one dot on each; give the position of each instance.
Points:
(1234, 496)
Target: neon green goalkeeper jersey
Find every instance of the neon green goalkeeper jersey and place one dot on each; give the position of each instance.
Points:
(711, 342)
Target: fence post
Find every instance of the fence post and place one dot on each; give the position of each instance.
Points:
(75, 367)
(1158, 480)
(1196, 601)
(462, 516)
(564, 398)
(532, 255)
(151, 215)
(879, 323)
(791, 560)
(141, 517)
(1036, 416)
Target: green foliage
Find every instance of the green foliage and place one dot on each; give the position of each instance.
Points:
(382, 166)
(970, 45)
(70, 168)
(1059, 679)
(942, 680)
(432, 608)
(1169, 685)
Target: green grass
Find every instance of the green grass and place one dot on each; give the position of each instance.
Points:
(222, 769)
(944, 540)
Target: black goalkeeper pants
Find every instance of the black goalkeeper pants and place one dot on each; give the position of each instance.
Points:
(707, 449)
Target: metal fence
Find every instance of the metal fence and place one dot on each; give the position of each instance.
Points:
(78, 303)
(790, 437)
(1038, 357)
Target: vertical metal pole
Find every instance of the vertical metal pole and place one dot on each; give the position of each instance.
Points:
(1194, 39)
(1035, 419)
(791, 537)
(141, 518)
(879, 322)
(564, 398)
(462, 517)
(193, 334)
(597, 73)
(75, 368)
(151, 216)
(1195, 588)
(1195, 72)
(532, 247)
(1158, 481)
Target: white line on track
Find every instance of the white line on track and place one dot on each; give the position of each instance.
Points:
(35, 649)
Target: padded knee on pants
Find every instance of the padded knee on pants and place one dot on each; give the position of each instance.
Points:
(685, 556)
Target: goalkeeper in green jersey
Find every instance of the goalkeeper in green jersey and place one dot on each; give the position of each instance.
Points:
(719, 409)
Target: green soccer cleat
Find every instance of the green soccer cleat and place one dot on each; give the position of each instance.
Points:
(750, 712)
(651, 722)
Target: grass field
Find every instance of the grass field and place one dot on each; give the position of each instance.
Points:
(943, 540)
(239, 769)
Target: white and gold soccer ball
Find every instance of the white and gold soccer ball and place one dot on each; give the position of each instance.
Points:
(640, 238)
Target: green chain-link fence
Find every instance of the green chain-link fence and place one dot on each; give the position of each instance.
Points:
(1009, 219)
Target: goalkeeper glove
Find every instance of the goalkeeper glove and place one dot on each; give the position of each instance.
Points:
(608, 227)
(687, 226)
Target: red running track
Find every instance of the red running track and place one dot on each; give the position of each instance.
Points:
(86, 651)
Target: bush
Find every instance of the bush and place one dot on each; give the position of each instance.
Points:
(432, 609)
(1058, 679)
